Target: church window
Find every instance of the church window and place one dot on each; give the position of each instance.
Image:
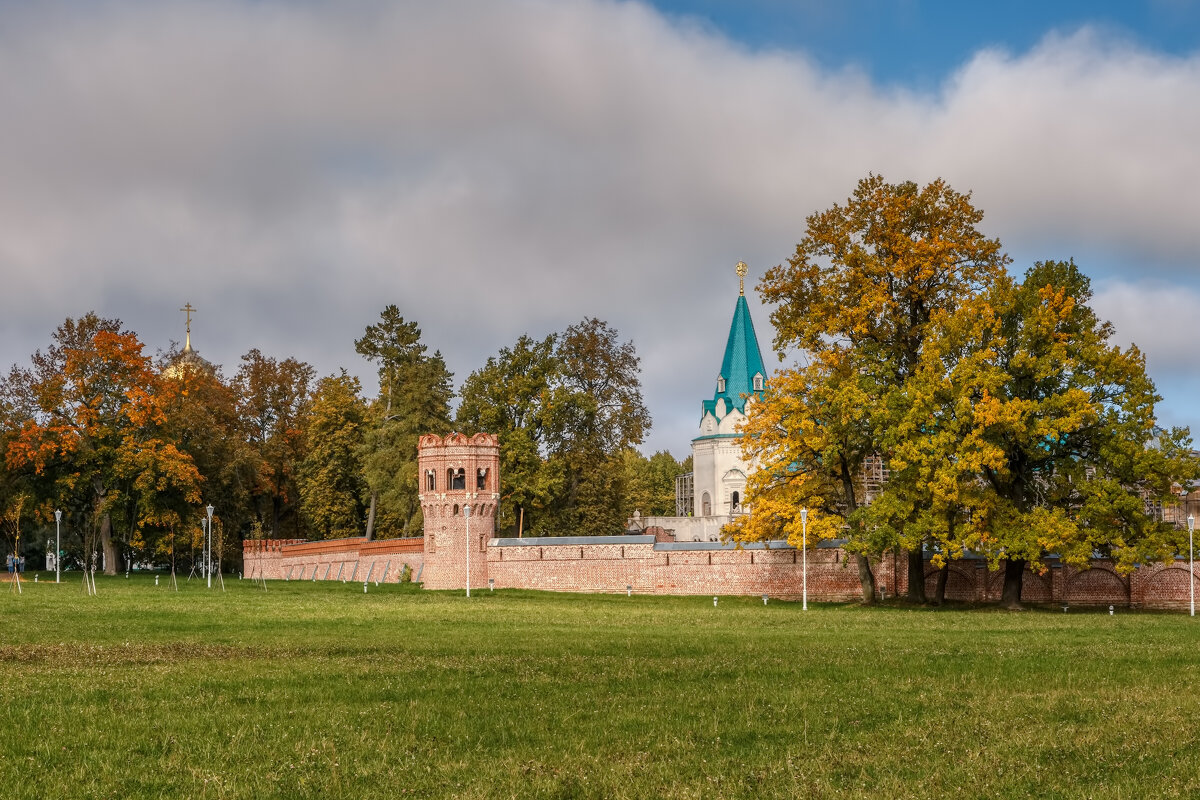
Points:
(481, 479)
(430, 480)
(456, 479)
(706, 505)
(735, 501)
(758, 382)
(720, 385)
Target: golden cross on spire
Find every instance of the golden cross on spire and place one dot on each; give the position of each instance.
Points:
(189, 308)
(742, 269)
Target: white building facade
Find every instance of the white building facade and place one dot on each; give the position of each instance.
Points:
(713, 493)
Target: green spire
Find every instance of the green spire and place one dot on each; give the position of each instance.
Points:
(742, 363)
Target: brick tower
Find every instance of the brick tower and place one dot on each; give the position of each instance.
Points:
(457, 473)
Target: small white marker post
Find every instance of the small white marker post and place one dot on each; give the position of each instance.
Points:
(804, 554)
(1191, 563)
(714, 602)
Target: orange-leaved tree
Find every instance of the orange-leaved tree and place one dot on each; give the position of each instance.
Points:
(90, 418)
(866, 281)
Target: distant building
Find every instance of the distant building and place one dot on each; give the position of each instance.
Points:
(714, 492)
(188, 360)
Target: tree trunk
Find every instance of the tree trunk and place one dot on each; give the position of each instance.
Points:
(106, 544)
(916, 576)
(371, 518)
(939, 593)
(1014, 577)
(866, 578)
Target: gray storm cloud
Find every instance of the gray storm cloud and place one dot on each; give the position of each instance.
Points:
(496, 168)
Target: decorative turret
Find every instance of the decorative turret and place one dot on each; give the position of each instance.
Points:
(742, 372)
(459, 490)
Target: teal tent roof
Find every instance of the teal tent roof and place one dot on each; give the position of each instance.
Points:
(743, 360)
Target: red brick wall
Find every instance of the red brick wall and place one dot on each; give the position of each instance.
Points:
(340, 559)
(600, 564)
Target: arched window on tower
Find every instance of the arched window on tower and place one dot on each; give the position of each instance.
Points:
(430, 480)
(456, 479)
(758, 382)
(481, 479)
(705, 505)
(735, 502)
(720, 384)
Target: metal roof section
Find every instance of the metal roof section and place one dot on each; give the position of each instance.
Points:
(550, 541)
(576, 541)
(742, 362)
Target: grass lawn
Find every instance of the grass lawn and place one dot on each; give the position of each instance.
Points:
(318, 690)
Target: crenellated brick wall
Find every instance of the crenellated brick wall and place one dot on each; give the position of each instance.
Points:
(336, 559)
(459, 490)
(649, 564)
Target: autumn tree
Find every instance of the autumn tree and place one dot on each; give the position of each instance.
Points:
(202, 419)
(90, 414)
(1059, 425)
(272, 399)
(332, 489)
(810, 435)
(868, 278)
(414, 398)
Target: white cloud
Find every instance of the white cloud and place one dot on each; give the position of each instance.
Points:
(1160, 319)
(495, 168)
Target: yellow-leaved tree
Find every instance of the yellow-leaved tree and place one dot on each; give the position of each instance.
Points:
(859, 296)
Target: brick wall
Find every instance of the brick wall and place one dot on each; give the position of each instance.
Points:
(380, 561)
(648, 565)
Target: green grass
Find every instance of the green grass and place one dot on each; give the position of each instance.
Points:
(317, 690)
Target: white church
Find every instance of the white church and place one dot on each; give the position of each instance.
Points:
(711, 495)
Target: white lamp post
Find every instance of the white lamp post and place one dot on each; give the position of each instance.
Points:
(1191, 564)
(467, 514)
(208, 558)
(57, 545)
(804, 553)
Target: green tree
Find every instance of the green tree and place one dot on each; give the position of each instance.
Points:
(565, 407)
(332, 488)
(870, 277)
(601, 375)
(272, 400)
(518, 394)
(414, 398)
(650, 483)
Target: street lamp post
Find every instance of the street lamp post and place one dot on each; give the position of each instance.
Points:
(1191, 564)
(57, 545)
(208, 561)
(467, 514)
(804, 553)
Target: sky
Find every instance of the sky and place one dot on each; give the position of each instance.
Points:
(498, 168)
